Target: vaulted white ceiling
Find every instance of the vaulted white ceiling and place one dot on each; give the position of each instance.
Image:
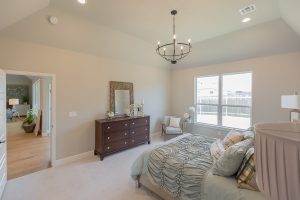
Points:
(152, 21)
(12, 11)
(290, 12)
(129, 29)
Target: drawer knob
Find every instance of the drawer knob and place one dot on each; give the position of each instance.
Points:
(108, 138)
(132, 140)
(146, 121)
(146, 129)
(133, 123)
(133, 132)
(146, 137)
(125, 134)
(126, 124)
(125, 142)
(108, 127)
(108, 147)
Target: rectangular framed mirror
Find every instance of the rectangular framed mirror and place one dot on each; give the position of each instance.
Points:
(121, 97)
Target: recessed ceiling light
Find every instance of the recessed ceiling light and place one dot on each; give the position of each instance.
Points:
(247, 19)
(82, 1)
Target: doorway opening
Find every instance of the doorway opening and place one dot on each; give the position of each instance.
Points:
(30, 131)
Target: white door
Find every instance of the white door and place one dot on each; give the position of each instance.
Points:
(36, 94)
(3, 158)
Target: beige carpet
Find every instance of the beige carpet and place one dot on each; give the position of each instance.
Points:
(87, 179)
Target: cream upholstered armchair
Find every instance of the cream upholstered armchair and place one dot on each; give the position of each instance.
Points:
(171, 127)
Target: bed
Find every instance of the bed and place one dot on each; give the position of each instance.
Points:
(180, 169)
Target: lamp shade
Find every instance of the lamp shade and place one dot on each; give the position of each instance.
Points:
(13, 102)
(290, 101)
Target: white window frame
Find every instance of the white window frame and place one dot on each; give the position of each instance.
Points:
(220, 105)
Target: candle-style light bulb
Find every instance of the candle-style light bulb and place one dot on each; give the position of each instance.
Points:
(189, 40)
(158, 43)
(174, 37)
(181, 48)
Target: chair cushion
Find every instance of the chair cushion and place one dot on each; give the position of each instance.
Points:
(167, 120)
(175, 122)
(173, 131)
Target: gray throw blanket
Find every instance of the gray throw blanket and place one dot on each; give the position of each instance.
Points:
(180, 167)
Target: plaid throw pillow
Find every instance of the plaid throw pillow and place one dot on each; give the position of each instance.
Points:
(231, 138)
(217, 149)
(246, 176)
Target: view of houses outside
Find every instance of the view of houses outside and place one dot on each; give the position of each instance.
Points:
(235, 104)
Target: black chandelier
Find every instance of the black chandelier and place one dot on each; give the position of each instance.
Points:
(174, 51)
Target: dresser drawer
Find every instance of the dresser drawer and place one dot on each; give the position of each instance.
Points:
(121, 133)
(139, 122)
(139, 131)
(115, 126)
(114, 136)
(138, 139)
(115, 146)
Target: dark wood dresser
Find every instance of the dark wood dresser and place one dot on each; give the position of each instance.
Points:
(119, 134)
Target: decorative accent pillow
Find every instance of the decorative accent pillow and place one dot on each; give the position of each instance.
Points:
(246, 175)
(217, 149)
(248, 134)
(231, 138)
(175, 122)
(229, 163)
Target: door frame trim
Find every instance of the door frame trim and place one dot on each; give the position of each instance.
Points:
(53, 106)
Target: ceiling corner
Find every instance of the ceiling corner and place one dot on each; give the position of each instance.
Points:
(13, 11)
(289, 10)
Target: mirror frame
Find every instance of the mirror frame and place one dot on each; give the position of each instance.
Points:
(115, 85)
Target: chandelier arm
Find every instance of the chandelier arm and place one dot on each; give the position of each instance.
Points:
(176, 55)
(169, 44)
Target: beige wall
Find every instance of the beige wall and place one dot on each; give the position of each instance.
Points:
(272, 77)
(83, 86)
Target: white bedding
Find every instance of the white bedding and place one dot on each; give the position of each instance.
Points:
(224, 188)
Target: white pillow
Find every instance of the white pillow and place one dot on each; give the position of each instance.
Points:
(175, 122)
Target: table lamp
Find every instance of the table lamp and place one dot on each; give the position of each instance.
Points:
(292, 102)
(13, 102)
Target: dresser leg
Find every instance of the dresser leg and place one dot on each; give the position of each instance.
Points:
(101, 157)
(95, 152)
(138, 183)
(149, 142)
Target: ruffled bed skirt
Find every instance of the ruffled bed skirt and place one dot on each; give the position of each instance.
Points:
(277, 157)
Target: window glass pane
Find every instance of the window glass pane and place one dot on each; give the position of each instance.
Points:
(236, 117)
(208, 90)
(237, 89)
(207, 114)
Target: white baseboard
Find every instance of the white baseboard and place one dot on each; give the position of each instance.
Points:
(88, 154)
(45, 134)
(70, 159)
